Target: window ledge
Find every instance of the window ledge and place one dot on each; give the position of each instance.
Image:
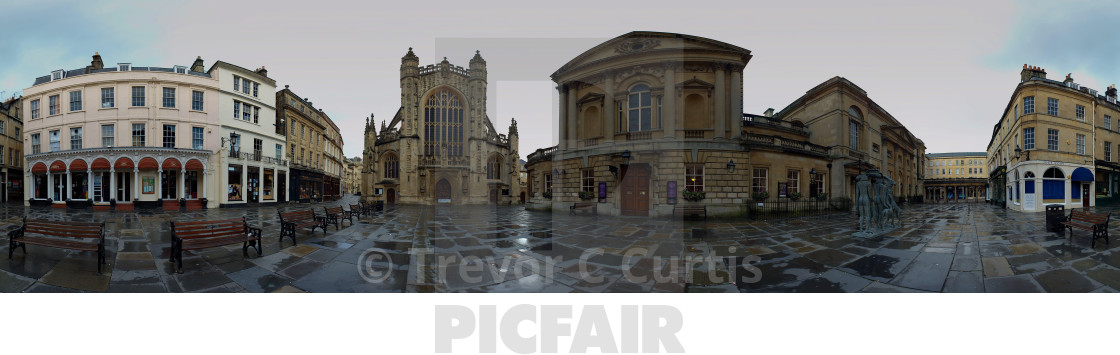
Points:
(107, 108)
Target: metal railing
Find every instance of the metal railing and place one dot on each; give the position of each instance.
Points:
(788, 208)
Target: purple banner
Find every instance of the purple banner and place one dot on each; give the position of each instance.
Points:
(602, 190)
(672, 189)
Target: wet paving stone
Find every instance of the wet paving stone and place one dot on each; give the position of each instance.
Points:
(1064, 280)
(942, 247)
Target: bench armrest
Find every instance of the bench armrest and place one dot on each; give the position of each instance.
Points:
(255, 232)
(16, 233)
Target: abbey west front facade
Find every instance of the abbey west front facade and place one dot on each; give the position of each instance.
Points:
(440, 147)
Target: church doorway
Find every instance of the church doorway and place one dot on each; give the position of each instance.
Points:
(443, 191)
(390, 196)
(494, 196)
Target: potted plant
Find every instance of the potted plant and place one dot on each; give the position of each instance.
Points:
(760, 195)
(547, 195)
(690, 195)
(795, 196)
(822, 197)
(586, 195)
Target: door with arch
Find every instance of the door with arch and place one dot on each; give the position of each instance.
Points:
(443, 191)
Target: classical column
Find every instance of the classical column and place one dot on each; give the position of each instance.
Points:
(159, 183)
(69, 185)
(135, 183)
(89, 182)
(669, 102)
(202, 184)
(562, 118)
(260, 180)
(610, 113)
(737, 102)
(112, 183)
(50, 185)
(572, 117)
(721, 101)
(183, 181)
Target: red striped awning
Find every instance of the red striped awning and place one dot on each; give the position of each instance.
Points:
(78, 165)
(58, 166)
(171, 164)
(148, 163)
(100, 164)
(194, 164)
(123, 163)
(39, 168)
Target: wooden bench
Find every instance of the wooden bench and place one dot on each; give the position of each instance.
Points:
(591, 206)
(368, 209)
(84, 236)
(690, 210)
(1097, 223)
(291, 221)
(334, 215)
(208, 234)
(355, 211)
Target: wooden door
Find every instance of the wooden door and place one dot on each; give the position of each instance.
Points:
(635, 190)
(494, 196)
(1085, 195)
(390, 196)
(443, 191)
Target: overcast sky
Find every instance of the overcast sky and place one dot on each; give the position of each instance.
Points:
(944, 68)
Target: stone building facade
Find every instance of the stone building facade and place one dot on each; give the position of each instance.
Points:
(956, 177)
(650, 121)
(253, 170)
(133, 136)
(334, 163)
(859, 135)
(11, 150)
(305, 127)
(1054, 144)
(440, 146)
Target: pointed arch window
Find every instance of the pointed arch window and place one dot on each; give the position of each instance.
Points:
(443, 124)
(494, 168)
(392, 166)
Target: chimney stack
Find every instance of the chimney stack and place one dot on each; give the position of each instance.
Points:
(198, 66)
(1111, 92)
(1031, 72)
(262, 71)
(769, 112)
(96, 63)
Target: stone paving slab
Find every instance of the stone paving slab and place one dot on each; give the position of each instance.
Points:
(941, 248)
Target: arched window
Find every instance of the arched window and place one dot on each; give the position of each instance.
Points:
(494, 168)
(640, 112)
(1028, 183)
(392, 166)
(443, 124)
(854, 127)
(1053, 181)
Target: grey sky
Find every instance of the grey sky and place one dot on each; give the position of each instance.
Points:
(945, 69)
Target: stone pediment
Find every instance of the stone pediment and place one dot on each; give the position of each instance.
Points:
(643, 42)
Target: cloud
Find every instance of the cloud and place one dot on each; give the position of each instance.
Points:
(1075, 37)
(40, 36)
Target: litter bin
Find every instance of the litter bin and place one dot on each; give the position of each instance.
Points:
(1055, 214)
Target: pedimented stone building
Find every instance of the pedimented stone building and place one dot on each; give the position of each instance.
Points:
(440, 147)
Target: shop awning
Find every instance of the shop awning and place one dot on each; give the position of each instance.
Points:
(78, 165)
(39, 168)
(123, 163)
(194, 164)
(148, 163)
(172, 164)
(100, 164)
(58, 166)
(1081, 174)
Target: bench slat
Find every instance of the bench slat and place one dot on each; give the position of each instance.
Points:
(59, 243)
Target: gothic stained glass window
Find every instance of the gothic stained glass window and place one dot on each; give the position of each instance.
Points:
(443, 124)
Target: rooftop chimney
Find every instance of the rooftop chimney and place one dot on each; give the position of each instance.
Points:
(262, 71)
(1111, 92)
(198, 66)
(1069, 78)
(1031, 72)
(96, 63)
(769, 112)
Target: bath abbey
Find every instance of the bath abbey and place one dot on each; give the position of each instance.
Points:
(440, 147)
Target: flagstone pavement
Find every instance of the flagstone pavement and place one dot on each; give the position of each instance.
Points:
(940, 248)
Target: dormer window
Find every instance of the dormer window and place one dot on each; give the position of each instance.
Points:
(179, 69)
(57, 74)
(124, 66)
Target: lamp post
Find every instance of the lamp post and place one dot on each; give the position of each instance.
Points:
(731, 166)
